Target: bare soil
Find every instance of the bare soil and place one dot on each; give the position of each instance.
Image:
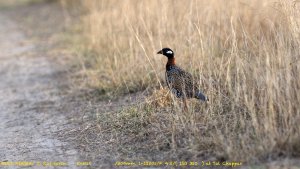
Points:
(30, 101)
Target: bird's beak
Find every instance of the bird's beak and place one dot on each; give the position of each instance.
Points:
(159, 52)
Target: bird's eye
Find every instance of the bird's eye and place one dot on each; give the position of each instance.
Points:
(169, 52)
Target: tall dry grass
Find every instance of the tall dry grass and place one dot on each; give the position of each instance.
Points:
(245, 54)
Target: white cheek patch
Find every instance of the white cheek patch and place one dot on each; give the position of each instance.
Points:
(169, 52)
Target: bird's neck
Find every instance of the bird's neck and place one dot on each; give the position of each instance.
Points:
(171, 62)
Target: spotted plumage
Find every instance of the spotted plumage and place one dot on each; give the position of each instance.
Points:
(180, 82)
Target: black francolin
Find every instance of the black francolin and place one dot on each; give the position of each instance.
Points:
(180, 82)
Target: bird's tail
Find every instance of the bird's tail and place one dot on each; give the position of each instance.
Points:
(201, 96)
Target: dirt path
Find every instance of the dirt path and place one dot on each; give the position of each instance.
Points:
(29, 103)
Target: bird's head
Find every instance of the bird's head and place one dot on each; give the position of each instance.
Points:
(167, 52)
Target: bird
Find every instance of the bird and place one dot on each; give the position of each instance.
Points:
(180, 82)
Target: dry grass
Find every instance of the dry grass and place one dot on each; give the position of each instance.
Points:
(244, 53)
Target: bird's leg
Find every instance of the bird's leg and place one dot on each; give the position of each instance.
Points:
(185, 106)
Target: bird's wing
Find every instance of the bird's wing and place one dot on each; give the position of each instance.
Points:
(182, 84)
(190, 85)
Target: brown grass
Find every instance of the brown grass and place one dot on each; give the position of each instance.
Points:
(244, 53)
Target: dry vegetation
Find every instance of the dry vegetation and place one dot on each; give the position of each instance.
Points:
(245, 54)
